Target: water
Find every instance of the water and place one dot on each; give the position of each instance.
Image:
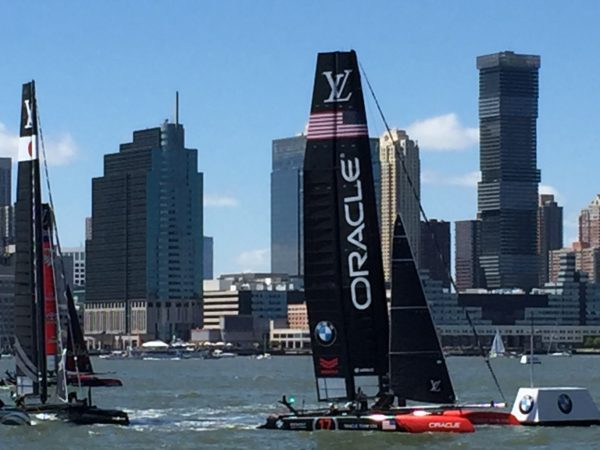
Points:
(217, 404)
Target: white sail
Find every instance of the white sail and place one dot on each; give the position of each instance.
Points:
(497, 346)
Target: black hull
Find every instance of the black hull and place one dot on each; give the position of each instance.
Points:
(322, 422)
(81, 414)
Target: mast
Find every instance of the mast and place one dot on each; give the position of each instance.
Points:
(29, 294)
(343, 269)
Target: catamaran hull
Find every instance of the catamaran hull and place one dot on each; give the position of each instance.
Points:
(14, 416)
(404, 423)
(81, 414)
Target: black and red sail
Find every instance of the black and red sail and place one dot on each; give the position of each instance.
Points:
(29, 295)
(344, 285)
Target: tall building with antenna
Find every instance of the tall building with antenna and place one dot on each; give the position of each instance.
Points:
(400, 192)
(144, 258)
(507, 194)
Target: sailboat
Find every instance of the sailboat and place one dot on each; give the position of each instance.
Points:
(497, 346)
(358, 358)
(51, 364)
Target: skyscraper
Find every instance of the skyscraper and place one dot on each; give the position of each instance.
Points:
(589, 224)
(466, 254)
(7, 232)
(286, 205)
(5, 181)
(144, 260)
(208, 255)
(398, 193)
(287, 243)
(435, 250)
(550, 232)
(508, 190)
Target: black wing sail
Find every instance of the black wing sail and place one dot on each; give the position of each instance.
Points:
(344, 285)
(29, 330)
(417, 366)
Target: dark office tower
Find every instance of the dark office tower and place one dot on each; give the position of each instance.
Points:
(508, 190)
(208, 257)
(5, 181)
(466, 253)
(435, 250)
(550, 232)
(287, 242)
(144, 260)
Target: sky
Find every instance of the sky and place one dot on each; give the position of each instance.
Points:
(245, 70)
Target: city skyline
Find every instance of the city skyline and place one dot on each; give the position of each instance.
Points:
(232, 117)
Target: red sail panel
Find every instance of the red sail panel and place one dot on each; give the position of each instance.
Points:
(50, 310)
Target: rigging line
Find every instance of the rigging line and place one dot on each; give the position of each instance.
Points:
(58, 250)
(429, 227)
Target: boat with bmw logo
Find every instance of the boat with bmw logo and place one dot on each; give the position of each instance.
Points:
(365, 360)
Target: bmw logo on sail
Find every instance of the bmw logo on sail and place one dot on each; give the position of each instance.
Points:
(325, 333)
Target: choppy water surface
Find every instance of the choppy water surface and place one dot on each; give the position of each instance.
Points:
(205, 404)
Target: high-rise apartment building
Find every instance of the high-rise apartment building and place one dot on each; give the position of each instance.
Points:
(400, 192)
(144, 261)
(466, 253)
(287, 241)
(508, 191)
(589, 224)
(550, 232)
(435, 250)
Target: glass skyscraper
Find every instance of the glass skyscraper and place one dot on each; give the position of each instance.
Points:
(144, 260)
(508, 191)
(287, 243)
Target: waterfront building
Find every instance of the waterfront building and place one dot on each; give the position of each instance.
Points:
(589, 224)
(297, 316)
(400, 193)
(508, 190)
(287, 241)
(587, 260)
(262, 296)
(289, 339)
(550, 232)
(469, 274)
(144, 258)
(208, 255)
(435, 250)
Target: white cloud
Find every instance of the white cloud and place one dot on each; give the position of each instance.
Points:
(547, 189)
(468, 180)
(443, 133)
(220, 201)
(254, 260)
(60, 150)
(9, 143)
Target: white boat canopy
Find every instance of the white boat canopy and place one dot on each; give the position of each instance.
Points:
(155, 344)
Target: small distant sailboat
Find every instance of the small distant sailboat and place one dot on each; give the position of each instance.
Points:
(497, 346)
